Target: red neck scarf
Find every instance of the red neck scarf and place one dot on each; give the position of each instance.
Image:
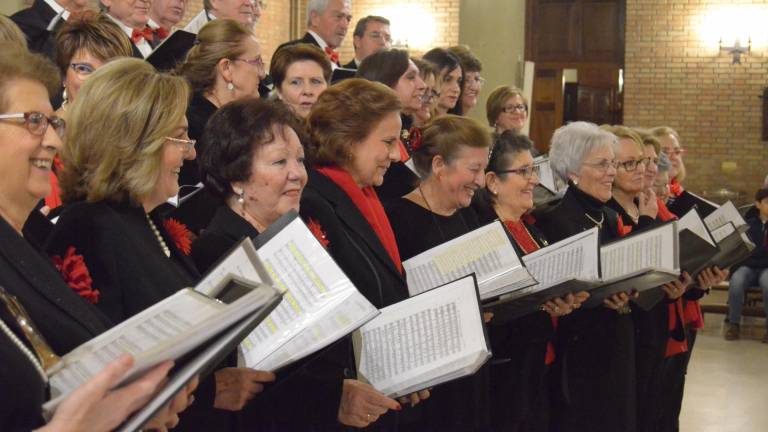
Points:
(370, 207)
(675, 188)
(525, 240)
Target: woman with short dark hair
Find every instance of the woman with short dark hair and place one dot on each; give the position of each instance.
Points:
(300, 73)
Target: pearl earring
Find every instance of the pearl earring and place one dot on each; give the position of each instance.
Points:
(230, 86)
(495, 192)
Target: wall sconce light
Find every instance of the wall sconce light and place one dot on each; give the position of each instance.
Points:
(736, 50)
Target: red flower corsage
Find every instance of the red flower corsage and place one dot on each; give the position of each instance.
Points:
(180, 234)
(75, 273)
(317, 231)
(414, 139)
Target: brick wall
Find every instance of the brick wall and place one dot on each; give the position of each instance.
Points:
(674, 78)
(445, 14)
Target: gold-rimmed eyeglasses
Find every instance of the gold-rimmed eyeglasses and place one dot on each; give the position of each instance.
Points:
(187, 145)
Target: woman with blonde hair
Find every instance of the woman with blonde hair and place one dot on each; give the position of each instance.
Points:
(115, 179)
(506, 109)
(11, 34)
(224, 65)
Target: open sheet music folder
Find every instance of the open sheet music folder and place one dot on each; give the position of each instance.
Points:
(487, 252)
(638, 262)
(172, 50)
(168, 330)
(321, 305)
(568, 266)
(428, 339)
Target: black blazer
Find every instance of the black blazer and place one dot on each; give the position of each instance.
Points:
(317, 379)
(351, 65)
(23, 389)
(358, 251)
(34, 22)
(352, 241)
(123, 256)
(63, 317)
(307, 38)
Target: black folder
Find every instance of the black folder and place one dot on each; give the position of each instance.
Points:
(516, 305)
(695, 252)
(172, 50)
(200, 361)
(734, 249)
(640, 281)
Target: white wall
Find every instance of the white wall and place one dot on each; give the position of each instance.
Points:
(494, 31)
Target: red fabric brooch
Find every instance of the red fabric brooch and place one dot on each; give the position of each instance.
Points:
(75, 273)
(414, 139)
(180, 234)
(317, 231)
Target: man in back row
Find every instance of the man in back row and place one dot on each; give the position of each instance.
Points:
(246, 12)
(371, 35)
(327, 25)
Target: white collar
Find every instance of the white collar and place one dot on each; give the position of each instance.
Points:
(57, 8)
(126, 28)
(319, 40)
(152, 24)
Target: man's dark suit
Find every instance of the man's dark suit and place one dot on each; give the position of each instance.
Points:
(308, 39)
(34, 22)
(351, 65)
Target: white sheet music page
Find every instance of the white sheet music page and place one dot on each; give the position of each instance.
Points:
(486, 251)
(412, 343)
(315, 287)
(693, 222)
(546, 176)
(242, 261)
(573, 257)
(726, 213)
(653, 248)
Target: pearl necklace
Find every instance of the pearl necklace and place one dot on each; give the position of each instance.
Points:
(163, 245)
(32, 358)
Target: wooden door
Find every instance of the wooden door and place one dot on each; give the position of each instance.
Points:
(546, 110)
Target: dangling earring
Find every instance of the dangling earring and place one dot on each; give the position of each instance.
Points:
(230, 86)
(65, 99)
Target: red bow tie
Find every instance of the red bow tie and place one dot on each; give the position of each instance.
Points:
(146, 34)
(161, 33)
(333, 56)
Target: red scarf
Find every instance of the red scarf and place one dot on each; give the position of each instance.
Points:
(370, 207)
(675, 188)
(525, 240)
(53, 199)
(675, 309)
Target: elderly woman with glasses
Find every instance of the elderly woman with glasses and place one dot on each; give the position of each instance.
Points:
(506, 109)
(595, 377)
(41, 316)
(135, 255)
(523, 347)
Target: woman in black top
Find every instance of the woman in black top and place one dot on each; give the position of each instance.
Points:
(135, 256)
(521, 347)
(395, 69)
(354, 130)
(224, 65)
(595, 380)
(637, 207)
(36, 305)
(451, 161)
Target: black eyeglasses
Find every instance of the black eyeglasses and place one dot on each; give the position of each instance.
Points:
(632, 165)
(509, 109)
(37, 122)
(526, 172)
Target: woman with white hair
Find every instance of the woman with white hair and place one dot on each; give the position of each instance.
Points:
(595, 386)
